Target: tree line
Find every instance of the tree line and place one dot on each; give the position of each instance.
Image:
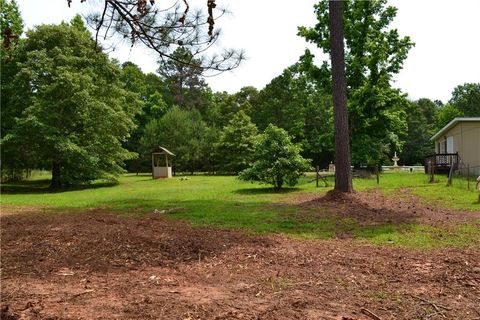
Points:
(67, 107)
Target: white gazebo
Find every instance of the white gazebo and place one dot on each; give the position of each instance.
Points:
(161, 166)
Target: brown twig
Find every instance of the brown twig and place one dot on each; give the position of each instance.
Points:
(478, 312)
(187, 8)
(159, 28)
(83, 292)
(434, 305)
(211, 21)
(442, 313)
(370, 314)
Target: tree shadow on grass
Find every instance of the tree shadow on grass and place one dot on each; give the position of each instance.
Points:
(253, 191)
(43, 186)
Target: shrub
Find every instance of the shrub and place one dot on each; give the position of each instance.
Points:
(277, 160)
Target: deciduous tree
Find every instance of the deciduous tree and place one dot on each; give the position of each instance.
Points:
(421, 127)
(277, 160)
(147, 89)
(297, 103)
(11, 27)
(237, 143)
(76, 113)
(445, 114)
(466, 98)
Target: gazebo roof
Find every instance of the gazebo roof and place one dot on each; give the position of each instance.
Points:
(161, 150)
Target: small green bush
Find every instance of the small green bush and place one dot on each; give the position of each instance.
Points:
(278, 160)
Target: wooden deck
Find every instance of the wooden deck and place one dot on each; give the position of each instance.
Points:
(442, 162)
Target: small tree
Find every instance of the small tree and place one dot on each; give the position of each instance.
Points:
(237, 143)
(278, 160)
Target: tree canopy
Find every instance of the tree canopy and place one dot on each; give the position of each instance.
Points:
(72, 112)
(374, 52)
(184, 83)
(277, 160)
(237, 143)
(11, 27)
(420, 128)
(466, 99)
(181, 131)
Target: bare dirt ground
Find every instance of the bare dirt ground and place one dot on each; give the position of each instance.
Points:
(99, 265)
(372, 207)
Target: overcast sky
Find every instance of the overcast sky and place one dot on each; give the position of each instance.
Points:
(446, 34)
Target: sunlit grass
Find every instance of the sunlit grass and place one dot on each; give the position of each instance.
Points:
(225, 201)
(438, 194)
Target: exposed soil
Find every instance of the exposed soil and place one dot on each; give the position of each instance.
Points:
(99, 265)
(371, 207)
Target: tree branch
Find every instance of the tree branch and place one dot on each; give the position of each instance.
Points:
(164, 30)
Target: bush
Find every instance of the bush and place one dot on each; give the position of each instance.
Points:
(278, 160)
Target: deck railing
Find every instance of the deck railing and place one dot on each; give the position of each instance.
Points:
(443, 160)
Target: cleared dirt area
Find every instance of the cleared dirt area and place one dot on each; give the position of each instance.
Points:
(99, 265)
(372, 207)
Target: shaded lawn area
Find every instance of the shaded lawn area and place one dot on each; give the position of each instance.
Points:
(224, 201)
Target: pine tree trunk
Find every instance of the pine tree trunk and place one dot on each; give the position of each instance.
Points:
(343, 176)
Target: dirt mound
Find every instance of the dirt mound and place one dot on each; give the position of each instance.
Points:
(372, 207)
(338, 197)
(356, 206)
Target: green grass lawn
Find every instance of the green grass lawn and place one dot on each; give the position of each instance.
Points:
(457, 196)
(225, 201)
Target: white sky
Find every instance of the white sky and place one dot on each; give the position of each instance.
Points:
(446, 33)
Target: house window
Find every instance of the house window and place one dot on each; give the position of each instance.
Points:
(449, 144)
(442, 147)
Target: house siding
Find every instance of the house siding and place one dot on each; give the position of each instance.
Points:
(466, 141)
